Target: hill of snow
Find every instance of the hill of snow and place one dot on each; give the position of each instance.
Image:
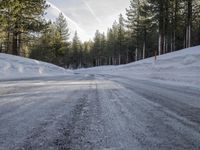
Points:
(177, 67)
(13, 67)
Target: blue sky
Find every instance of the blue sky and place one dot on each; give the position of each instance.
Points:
(86, 16)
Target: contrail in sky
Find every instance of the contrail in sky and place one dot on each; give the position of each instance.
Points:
(92, 11)
(66, 17)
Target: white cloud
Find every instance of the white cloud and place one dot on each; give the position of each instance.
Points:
(92, 11)
(89, 15)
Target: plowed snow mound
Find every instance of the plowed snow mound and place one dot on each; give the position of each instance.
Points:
(181, 66)
(19, 67)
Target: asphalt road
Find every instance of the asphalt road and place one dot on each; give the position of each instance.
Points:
(95, 112)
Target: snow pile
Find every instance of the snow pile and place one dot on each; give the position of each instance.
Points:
(182, 66)
(13, 67)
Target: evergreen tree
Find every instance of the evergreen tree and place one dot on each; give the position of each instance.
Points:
(152, 27)
(62, 28)
(103, 57)
(133, 17)
(76, 50)
(121, 39)
(97, 48)
(110, 48)
(19, 17)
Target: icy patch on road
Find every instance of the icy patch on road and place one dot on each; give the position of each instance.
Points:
(12, 67)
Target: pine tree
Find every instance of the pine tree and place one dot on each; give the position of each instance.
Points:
(103, 57)
(121, 39)
(110, 46)
(76, 50)
(62, 28)
(20, 17)
(133, 17)
(97, 48)
(196, 23)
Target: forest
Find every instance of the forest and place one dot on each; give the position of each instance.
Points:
(149, 28)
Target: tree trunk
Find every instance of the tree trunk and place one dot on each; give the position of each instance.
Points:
(144, 50)
(8, 42)
(171, 46)
(1, 47)
(136, 54)
(96, 63)
(175, 24)
(127, 57)
(144, 43)
(113, 61)
(164, 44)
(15, 44)
(186, 37)
(166, 23)
(159, 44)
(199, 34)
(161, 16)
(189, 24)
(100, 61)
(20, 46)
(119, 59)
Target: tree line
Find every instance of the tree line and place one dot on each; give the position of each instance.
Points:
(19, 20)
(150, 27)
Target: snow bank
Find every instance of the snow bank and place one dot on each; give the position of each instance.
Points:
(13, 67)
(182, 66)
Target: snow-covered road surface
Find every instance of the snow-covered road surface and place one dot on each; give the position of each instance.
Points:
(96, 112)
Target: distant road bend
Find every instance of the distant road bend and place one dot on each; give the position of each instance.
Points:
(96, 112)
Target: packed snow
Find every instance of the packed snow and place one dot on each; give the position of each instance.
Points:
(13, 67)
(180, 67)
